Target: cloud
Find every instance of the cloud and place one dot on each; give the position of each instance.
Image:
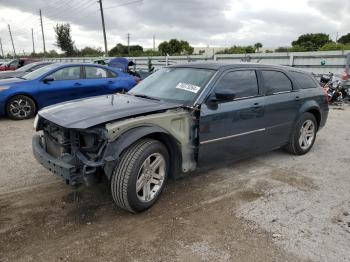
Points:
(201, 22)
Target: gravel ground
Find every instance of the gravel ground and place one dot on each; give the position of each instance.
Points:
(274, 207)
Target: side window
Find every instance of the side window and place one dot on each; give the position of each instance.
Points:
(67, 73)
(14, 64)
(92, 72)
(242, 83)
(276, 82)
(304, 80)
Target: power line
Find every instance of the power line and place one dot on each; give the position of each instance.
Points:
(123, 4)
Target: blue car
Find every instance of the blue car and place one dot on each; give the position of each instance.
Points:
(21, 98)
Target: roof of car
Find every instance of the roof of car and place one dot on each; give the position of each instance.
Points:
(222, 66)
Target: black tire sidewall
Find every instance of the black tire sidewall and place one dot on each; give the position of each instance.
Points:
(23, 97)
(134, 202)
(300, 122)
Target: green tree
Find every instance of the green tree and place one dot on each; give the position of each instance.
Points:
(238, 50)
(64, 39)
(312, 42)
(345, 39)
(164, 48)
(122, 50)
(334, 46)
(281, 49)
(257, 46)
(90, 51)
(175, 47)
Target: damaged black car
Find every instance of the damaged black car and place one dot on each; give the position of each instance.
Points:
(179, 118)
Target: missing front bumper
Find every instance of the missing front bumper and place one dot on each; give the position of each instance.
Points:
(73, 174)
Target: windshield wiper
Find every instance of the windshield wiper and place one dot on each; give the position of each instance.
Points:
(20, 77)
(146, 96)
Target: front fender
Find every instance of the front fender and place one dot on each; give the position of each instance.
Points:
(116, 147)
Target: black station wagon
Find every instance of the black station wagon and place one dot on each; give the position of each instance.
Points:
(177, 119)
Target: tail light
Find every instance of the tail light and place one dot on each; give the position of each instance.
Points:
(345, 76)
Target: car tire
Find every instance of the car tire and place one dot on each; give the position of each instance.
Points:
(20, 107)
(304, 135)
(139, 178)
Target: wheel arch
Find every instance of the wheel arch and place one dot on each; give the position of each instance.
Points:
(313, 108)
(116, 148)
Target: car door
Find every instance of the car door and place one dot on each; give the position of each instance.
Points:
(99, 81)
(281, 105)
(64, 84)
(232, 129)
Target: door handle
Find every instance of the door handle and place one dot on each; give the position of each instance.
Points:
(110, 82)
(256, 105)
(297, 98)
(77, 84)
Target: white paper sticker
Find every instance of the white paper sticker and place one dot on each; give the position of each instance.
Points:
(188, 87)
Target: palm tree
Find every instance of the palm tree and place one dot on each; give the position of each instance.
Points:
(258, 46)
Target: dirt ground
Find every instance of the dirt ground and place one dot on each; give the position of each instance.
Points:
(274, 207)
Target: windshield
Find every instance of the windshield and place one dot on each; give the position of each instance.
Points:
(39, 72)
(179, 85)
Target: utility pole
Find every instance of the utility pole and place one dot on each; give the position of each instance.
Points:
(33, 41)
(336, 39)
(128, 36)
(154, 43)
(13, 46)
(103, 27)
(42, 30)
(2, 51)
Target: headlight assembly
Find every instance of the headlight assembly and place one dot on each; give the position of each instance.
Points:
(36, 119)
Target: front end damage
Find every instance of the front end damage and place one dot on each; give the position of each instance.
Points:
(74, 154)
(81, 155)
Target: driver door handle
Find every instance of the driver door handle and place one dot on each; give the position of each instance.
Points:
(256, 105)
(77, 84)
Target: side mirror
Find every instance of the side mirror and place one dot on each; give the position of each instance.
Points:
(222, 95)
(48, 79)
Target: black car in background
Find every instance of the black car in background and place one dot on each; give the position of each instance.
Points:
(175, 120)
(23, 70)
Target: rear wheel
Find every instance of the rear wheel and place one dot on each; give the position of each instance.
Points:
(20, 107)
(304, 135)
(140, 176)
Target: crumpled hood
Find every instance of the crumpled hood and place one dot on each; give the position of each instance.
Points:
(84, 113)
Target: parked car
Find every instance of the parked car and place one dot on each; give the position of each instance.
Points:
(179, 118)
(16, 63)
(20, 98)
(23, 70)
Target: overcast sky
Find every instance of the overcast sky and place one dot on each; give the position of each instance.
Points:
(201, 22)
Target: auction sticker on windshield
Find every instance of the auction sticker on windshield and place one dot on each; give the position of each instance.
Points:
(188, 87)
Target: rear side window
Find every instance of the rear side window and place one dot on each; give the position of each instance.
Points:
(242, 83)
(92, 72)
(304, 80)
(276, 82)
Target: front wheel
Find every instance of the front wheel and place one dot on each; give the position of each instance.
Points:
(20, 107)
(140, 176)
(304, 135)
